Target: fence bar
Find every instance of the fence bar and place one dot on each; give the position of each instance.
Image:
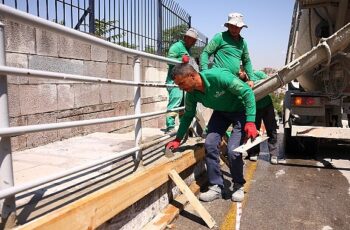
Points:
(42, 23)
(8, 206)
(137, 109)
(20, 130)
(78, 169)
(62, 76)
(159, 27)
(91, 10)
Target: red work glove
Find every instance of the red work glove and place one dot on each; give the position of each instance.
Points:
(250, 130)
(173, 144)
(185, 59)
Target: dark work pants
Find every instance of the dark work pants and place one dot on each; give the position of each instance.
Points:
(267, 115)
(217, 126)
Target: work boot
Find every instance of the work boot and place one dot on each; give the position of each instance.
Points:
(253, 158)
(214, 192)
(238, 193)
(274, 160)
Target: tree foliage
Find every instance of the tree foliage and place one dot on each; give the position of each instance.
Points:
(277, 100)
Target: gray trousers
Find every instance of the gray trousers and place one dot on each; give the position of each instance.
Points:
(217, 126)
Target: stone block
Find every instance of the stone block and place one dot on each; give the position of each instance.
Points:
(19, 142)
(70, 132)
(19, 38)
(20, 61)
(98, 53)
(95, 69)
(117, 56)
(13, 100)
(53, 64)
(46, 43)
(42, 137)
(113, 70)
(127, 72)
(121, 93)
(65, 97)
(86, 94)
(105, 93)
(37, 98)
(71, 48)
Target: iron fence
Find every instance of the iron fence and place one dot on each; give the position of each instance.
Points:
(145, 25)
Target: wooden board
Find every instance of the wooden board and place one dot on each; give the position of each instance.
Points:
(171, 211)
(192, 199)
(96, 208)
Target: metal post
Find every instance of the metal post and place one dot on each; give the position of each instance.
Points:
(159, 28)
(137, 109)
(8, 205)
(92, 16)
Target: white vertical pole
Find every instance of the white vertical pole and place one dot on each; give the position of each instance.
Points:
(8, 205)
(137, 108)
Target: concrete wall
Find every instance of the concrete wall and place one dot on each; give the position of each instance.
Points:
(40, 101)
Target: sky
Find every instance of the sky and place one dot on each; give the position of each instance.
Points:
(268, 23)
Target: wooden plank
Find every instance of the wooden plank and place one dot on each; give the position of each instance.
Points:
(192, 199)
(96, 208)
(170, 212)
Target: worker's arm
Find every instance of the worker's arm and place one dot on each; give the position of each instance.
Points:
(241, 89)
(246, 62)
(209, 50)
(186, 119)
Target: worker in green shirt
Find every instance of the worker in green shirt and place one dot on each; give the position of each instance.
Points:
(177, 51)
(266, 113)
(229, 48)
(233, 103)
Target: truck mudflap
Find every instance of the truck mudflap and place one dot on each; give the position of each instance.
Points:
(321, 132)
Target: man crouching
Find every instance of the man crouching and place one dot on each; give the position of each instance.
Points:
(233, 103)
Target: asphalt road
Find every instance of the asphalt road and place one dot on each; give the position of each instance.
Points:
(309, 191)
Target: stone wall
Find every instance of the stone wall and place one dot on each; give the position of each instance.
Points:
(40, 101)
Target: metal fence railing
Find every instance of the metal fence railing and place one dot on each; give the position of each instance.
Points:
(146, 25)
(7, 188)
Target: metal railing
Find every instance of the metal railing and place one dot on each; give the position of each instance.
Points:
(8, 190)
(145, 25)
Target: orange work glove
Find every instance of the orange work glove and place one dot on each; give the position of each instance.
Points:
(250, 130)
(173, 144)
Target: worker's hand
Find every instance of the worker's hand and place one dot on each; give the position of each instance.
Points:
(173, 144)
(250, 83)
(250, 130)
(185, 59)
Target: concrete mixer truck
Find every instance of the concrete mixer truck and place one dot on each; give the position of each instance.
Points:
(317, 72)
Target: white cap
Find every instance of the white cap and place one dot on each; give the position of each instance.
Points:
(191, 32)
(235, 19)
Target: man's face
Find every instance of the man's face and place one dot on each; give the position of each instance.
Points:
(189, 41)
(185, 83)
(234, 30)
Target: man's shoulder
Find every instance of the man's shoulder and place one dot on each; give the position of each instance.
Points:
(177, 44)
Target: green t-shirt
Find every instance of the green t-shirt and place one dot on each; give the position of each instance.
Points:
(176, 51)
(228, 53)
(265, 101)
(223, 92)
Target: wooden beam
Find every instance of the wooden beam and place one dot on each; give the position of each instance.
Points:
(192, 199)
(100, 206)
(171, 211)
